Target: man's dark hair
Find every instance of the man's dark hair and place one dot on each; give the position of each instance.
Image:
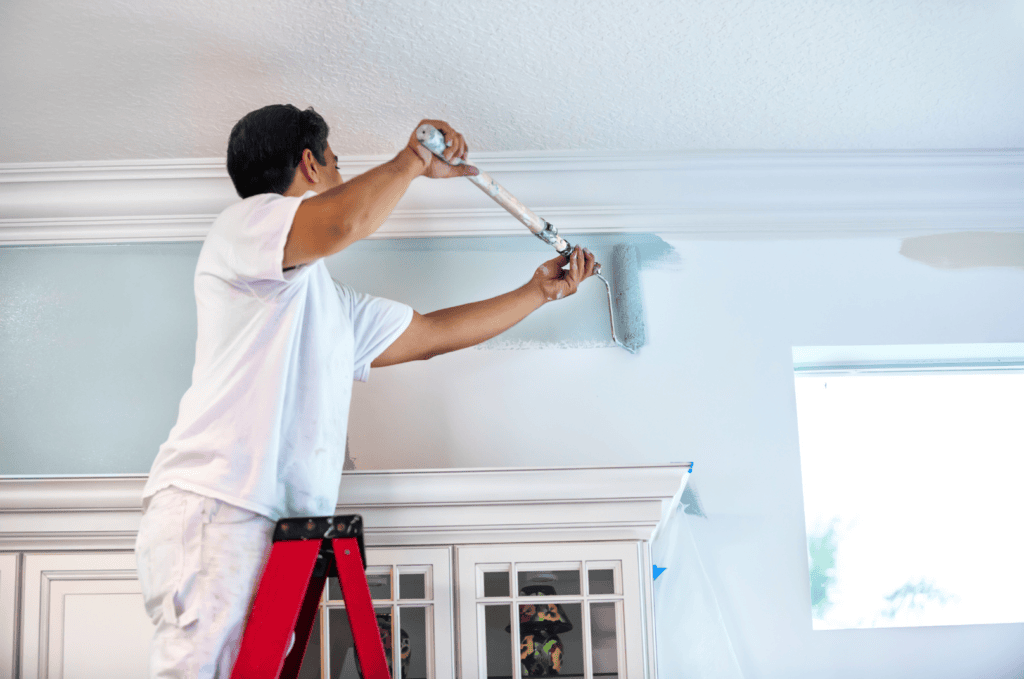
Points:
(266, 146)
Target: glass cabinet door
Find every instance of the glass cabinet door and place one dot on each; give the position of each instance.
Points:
(411, 590)
(539, 610)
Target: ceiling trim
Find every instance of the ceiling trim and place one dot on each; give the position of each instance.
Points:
(737, 194)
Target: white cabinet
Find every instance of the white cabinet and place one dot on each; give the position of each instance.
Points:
(464, 565)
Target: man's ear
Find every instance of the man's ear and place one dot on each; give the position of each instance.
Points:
(309, 167)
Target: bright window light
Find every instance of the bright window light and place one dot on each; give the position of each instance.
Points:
(913, 467)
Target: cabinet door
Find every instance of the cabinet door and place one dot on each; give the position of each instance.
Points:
(411, 590)
(536, 609)
(83, 616)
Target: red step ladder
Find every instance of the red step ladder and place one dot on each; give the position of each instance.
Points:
(306, 551)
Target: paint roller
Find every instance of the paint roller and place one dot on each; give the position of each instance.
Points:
(625, 264)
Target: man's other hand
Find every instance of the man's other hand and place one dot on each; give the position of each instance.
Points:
(557, 282)
(433, 166)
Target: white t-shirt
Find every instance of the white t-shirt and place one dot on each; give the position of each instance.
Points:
(263, 425)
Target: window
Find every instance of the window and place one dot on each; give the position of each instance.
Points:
(912, 460)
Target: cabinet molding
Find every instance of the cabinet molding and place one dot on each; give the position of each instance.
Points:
(399, 507)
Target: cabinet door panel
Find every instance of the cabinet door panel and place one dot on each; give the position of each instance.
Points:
(574, 608)
(83, 617)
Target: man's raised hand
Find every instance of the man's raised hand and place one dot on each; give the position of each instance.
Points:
(435, 167)
(556, 282)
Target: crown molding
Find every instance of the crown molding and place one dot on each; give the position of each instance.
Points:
(725, 194)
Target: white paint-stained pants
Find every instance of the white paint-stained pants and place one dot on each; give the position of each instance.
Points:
(199, 561)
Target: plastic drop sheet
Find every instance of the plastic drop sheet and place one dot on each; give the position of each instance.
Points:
(692, 640)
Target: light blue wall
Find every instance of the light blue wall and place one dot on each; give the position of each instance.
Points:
(97, 341)
(96, 348)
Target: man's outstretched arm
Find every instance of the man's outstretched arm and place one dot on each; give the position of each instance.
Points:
(445, 330)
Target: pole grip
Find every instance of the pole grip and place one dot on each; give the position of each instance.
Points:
(433, 139)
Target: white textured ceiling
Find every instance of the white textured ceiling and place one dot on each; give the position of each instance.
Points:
(118, 79)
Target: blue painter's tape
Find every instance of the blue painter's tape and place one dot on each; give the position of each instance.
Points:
(658, 571)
